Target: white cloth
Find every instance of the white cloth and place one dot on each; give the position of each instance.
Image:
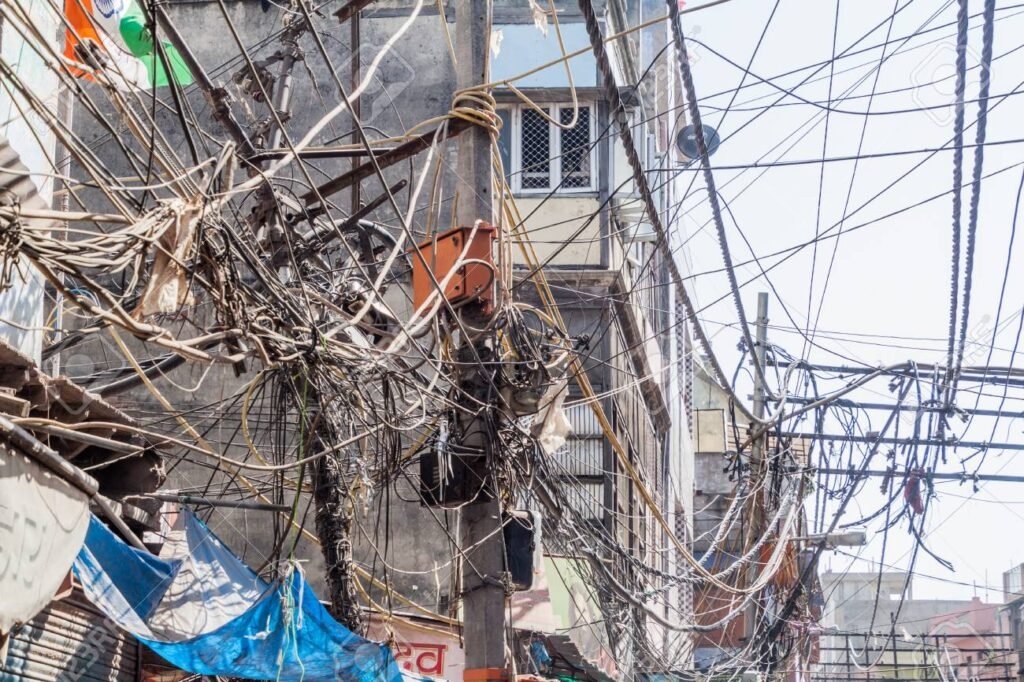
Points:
(550, 426)
(211, 586)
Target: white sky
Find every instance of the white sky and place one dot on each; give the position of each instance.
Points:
(892, 277)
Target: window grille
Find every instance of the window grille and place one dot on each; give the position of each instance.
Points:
(575, 148)
(551, 158)
(536, 151)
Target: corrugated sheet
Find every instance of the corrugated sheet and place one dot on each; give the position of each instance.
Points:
(581, 457)
(584, 421)
(587, 499)
(70, 642)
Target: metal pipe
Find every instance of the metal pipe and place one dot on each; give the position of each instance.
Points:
(385, 159)
(284, 82)
(355, 67)
(233, 504)
(973, 444)
(88, 439)
(221, 109)
(936, 476)
(316, 153)
(42, 454)
(108, 511)
(846, 402)
(981, 375)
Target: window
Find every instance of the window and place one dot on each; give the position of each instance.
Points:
(535, 151)
(540, 157)
(576, 152)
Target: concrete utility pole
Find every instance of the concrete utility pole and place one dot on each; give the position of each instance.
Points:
(756, 527)
(472, 45)
(483, 566)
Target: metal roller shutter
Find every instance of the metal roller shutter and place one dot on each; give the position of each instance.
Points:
(69, 641)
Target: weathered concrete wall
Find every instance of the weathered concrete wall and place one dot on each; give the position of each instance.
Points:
(414, 82)
(562, 232)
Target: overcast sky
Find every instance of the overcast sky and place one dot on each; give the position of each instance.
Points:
(887, 298)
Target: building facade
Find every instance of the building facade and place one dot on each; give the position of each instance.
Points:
(874, 628)
(587, 229)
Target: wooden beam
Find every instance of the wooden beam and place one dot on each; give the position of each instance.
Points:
(13, 405)
(388, 158)
(351, 9)
(43, 455)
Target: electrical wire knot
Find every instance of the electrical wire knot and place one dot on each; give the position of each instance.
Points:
(10, 249)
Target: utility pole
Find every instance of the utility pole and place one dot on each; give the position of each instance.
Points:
(483, 565)
(473, 37)
(757, 501)
(761, 338)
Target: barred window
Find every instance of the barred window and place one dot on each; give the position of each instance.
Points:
(575, 148)
(536, 158)
(546, 157)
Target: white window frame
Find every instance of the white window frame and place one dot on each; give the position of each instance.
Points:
(555, 171)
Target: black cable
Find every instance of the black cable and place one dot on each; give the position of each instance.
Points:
(958, 156)
(979, 159)
(709, 179)
(850, 184)
(821, 171)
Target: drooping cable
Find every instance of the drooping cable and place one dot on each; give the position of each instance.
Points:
(979, 159)
(958, 158)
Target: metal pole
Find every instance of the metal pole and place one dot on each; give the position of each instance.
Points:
(66, 111)
(759, 358)
(756, 454)
(171, 496)
(928, 475)
(894, 642)
(1018, 645)
(283, 94)
(483, 566)
(962, 444)
(355, 43)
(216, 96)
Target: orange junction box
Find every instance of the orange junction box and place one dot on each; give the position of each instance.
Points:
(472, 281)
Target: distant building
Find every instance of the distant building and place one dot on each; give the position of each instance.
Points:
(874, 629)
(719, 429)
(1013, 596)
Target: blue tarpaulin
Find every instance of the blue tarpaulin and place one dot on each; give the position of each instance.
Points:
(204, 611)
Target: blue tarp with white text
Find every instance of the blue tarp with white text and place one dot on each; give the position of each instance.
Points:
(204, 611)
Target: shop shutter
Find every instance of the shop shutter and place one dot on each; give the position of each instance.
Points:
(70, 641)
